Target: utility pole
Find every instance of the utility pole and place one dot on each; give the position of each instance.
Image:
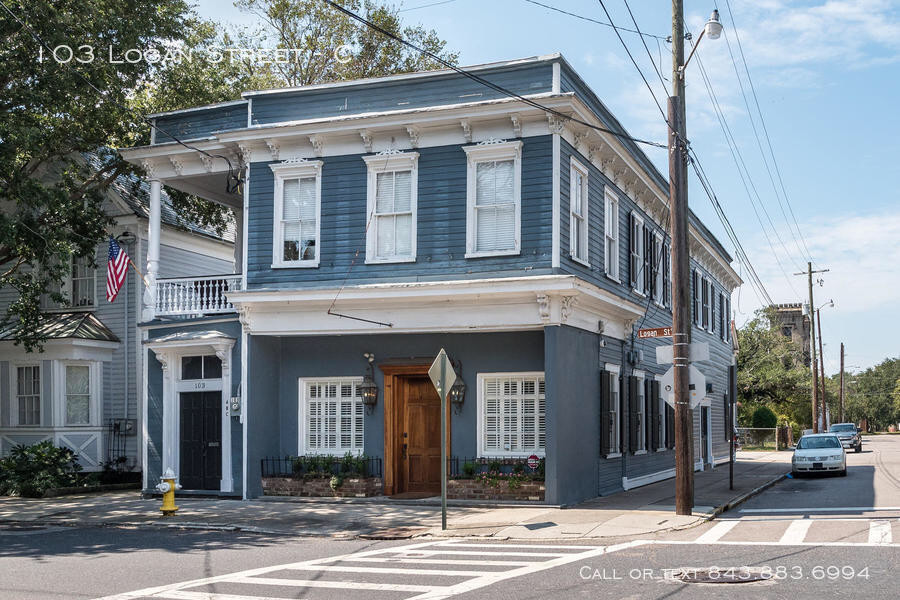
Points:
(812, 336)
(841, 394)
(824, 410)
(681, 315)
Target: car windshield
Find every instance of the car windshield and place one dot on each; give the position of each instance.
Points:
(842, 428)
(815, 443)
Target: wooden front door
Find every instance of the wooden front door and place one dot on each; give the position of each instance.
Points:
(421, 436)
(201, 440)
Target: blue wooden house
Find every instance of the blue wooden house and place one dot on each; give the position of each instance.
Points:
(396, 216)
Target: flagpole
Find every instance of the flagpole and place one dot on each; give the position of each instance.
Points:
(138, 271)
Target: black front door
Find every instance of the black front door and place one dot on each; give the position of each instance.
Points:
(201, 440)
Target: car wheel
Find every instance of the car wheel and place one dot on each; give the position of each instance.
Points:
(858, 448)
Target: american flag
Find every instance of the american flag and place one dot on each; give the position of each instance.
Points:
(116, 269)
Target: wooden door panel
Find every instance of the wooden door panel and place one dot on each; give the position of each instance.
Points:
(200, 464)
(422, 426)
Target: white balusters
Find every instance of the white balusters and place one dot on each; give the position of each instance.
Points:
(187, 296)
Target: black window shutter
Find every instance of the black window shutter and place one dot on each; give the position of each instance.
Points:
(655, 416)
(670, 427)
(633, 242)
(632, 413)
(605, 416)
(648, 251)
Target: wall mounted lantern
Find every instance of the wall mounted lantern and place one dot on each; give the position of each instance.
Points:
(458, 390)
(367, 389)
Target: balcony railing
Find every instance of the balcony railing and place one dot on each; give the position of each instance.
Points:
(185, 296)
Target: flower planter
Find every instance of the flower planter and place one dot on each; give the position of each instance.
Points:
(475, 489)
(320, 487)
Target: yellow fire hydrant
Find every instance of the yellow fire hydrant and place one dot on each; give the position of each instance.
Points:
(168, 486)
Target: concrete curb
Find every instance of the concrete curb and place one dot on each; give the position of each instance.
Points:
(744, 497)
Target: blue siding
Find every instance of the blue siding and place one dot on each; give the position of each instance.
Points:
(200, 123)
(441, 243)
(452, 88)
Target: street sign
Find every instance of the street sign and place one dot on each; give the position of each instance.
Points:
(697, 386)
(443, 376)
(696, 352)
(533, 462)
(654, 332)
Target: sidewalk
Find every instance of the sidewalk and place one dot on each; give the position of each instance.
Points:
(639, 511)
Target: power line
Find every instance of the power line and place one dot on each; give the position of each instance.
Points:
(739, 163)
(756, 283)
(634, 62)
(765, 160)
(598, 22)
(766, 130)
(647, 48)
(483, 81)
(425, 6)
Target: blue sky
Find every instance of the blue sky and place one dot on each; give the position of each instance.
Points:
(827, 78)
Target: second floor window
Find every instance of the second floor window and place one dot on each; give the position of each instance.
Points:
(611, 234)
(578, 210)
(706, 315)
(298, 208)
(78, 286)
(391, 233)
(493, 198)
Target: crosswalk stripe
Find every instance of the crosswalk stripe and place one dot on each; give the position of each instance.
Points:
(879, 532)
(184, 595)
(389, 570)
(717, 531)
(796, 532)
(480, 553)
(351, 585)
(441, 561)
(546, 546)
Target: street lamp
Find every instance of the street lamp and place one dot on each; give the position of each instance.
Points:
(681, 305)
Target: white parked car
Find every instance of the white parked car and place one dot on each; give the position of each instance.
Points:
(819, 453)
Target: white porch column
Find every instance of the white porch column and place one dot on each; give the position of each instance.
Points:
(153, 234)
(238, 240)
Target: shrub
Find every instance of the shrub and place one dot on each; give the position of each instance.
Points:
(468, 469)
(29, 471)
(763, 418)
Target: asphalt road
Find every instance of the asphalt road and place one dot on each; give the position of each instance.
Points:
(815, 537)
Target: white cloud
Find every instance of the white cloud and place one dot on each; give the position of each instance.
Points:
(861, 252)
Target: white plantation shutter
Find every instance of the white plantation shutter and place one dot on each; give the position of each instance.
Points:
(334, 417)
(513, 419)
(393, 214)
(495, 206)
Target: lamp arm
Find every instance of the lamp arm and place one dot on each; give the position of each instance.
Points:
(694, 49)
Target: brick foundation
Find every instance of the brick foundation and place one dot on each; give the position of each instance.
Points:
(321, 487)
(471, 489)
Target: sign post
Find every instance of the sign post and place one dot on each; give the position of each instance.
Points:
(443, 377)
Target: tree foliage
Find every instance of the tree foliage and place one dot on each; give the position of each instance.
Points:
(874, 395)
(50, 117)
(53, 114)
(771, 370)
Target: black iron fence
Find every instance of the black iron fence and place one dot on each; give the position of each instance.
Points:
(467, 467)
(321, 466)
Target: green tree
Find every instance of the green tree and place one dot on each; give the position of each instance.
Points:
(874, 395)
(51, 116)
(771, 371)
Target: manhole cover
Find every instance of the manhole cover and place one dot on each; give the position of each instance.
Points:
(721, 575)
